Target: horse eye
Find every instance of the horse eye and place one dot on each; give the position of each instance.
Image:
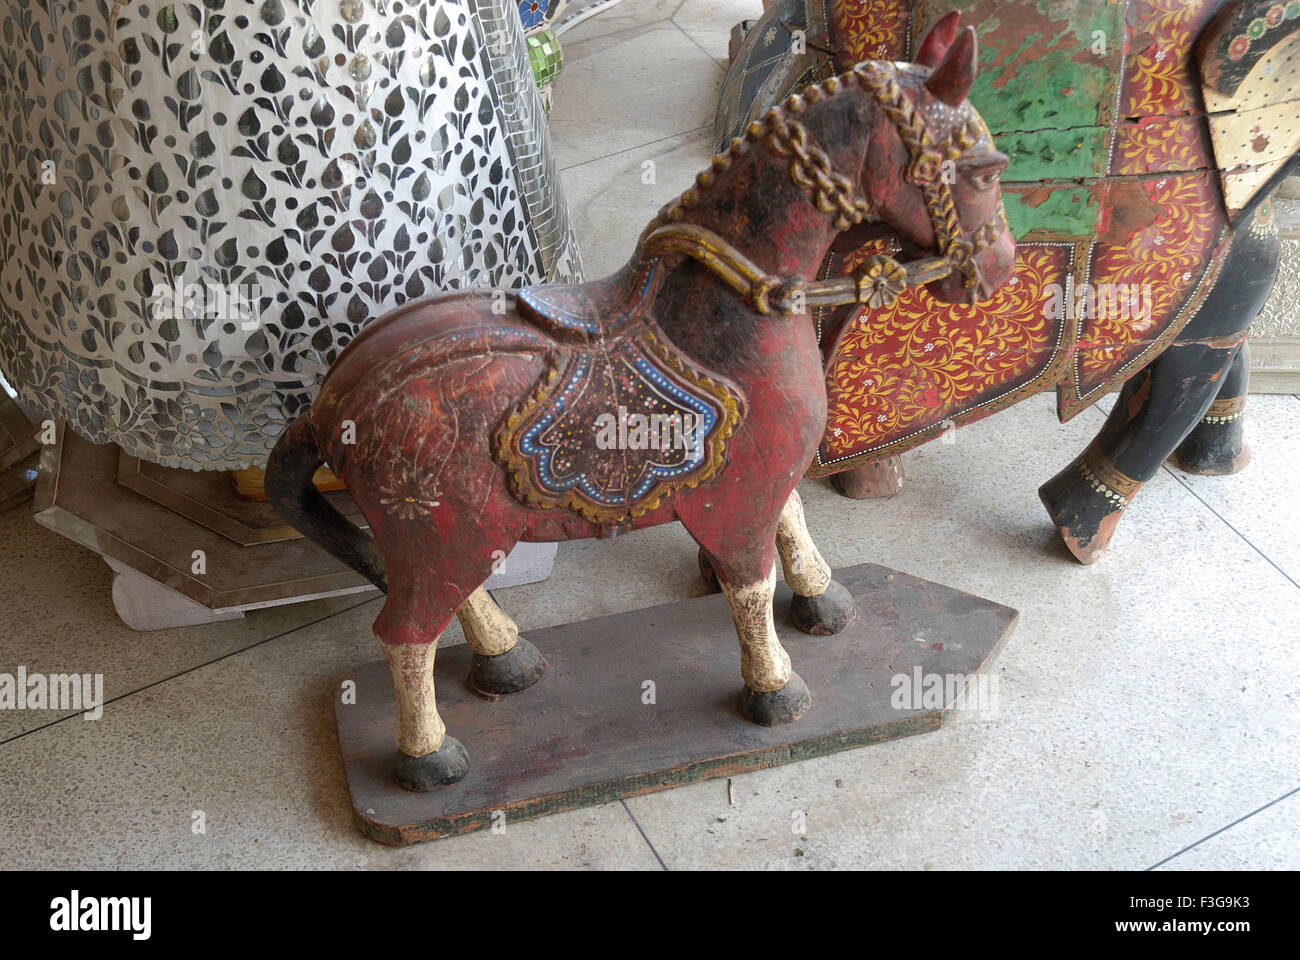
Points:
(987, 179)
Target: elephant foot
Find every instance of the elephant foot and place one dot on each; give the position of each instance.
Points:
(1086, 501)
(870, 481)
(1215, 447)
(773, 707)
(517, 669)
(825, 614)
(448, 764)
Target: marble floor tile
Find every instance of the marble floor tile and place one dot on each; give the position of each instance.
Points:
(612, 198)
(709, 22)
(59, 618)
(641, 85)
(1262, 840)
(1262, 502)
(246, 747)
(627, 15)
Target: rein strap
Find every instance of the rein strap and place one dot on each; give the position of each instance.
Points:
(876, 283)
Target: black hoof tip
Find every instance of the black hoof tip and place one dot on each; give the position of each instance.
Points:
(772, 707)
(517, 669)
(448, 764)
(825, 614)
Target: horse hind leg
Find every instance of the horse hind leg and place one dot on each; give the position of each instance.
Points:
(423, 593)
(504, 662)
(820, 605)
(1216, 446)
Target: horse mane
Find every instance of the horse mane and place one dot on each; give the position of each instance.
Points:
(775, 130)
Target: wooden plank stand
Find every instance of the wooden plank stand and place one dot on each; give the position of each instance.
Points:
(648, 700)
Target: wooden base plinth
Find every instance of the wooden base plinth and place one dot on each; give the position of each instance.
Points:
(584, 734)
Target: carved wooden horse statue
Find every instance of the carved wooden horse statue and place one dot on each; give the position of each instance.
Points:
(687, 386)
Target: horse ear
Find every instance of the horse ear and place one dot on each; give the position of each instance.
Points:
(938, 39)
(952, 79)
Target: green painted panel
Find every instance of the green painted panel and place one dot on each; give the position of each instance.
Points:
(1043, 63)
(1067, 212)
(1055, 154)
(1045, 69)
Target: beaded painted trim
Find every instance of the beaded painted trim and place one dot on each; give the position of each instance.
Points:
(1225, 411)
(1106, 480)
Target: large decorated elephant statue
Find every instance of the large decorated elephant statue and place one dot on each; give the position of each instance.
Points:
(1145, 138)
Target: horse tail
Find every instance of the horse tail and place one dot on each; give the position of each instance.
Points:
(289, 472)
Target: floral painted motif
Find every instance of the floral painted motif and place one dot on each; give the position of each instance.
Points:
(902, 370)
(1166, 257)
(1167, 253)
(869, 30)
(420, 500)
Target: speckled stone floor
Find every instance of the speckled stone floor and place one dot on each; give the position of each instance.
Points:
(1150, 705)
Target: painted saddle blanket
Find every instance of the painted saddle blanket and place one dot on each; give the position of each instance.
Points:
(622, 419)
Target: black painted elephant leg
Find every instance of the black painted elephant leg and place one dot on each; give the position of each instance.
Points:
(1216, 447)
(877, 480)
(1154, 411)
(1161, 404)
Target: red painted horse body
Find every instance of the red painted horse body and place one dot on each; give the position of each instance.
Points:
(447, 419)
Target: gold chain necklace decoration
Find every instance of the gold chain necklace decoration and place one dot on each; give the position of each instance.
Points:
(810, 169)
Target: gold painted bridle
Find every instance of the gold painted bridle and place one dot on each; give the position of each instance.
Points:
(880, 279)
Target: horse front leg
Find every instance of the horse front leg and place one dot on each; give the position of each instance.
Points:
(773, 692)
(504, 662)
(746, 571)
(820, 605)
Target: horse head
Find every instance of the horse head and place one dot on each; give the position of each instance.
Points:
(931, 172)
(891, 151)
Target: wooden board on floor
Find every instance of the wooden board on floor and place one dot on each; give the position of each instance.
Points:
(584, 735)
